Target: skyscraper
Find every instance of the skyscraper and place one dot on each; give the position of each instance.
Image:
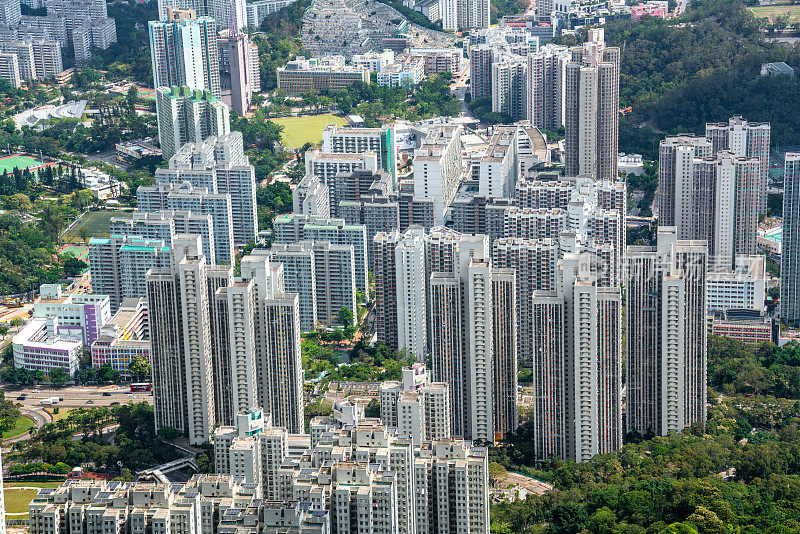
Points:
(277, 343)
(509, 86)
(708, 195)
(790, 253)
(181, 343)
(577, 355)
(184, 51)
(676, 157)
(546, 73)
(591, 109)
(219, 10)
(665, 328)
(411, 306)
(472, 331)
(241, 86)
(220, 165)
(744, 139)
(186, 116)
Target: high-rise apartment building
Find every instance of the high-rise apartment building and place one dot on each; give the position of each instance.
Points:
(187, 198)
(10, 12)
(676, 157)
(577, 358)
(220, 339)
(437, 167)
(410, 293)
(591, 109)
(744, 139)
(790, 253)
(241, 74)
(469, 336)
(534, 263)
(9, 69)
(220, 165)
(384, 269)
(546, 85)
(665, 327)
(186, 116)
(220, 10)
(481, 58)
(119, 264)
(164, 225)
(295, 227)
(464, 14)
(299, 276)
(509, 86)
(180, 337)
(711, 198)
(416, 406)
(276, 338)
(184, 51)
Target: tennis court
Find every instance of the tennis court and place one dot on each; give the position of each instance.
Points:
(77, 251)
(146, 94)
(19, 161)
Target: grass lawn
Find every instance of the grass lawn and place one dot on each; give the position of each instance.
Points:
(23, 425)
(300, 130)
(17, 501)
(62, 413)
(776, 11)
(96, 222)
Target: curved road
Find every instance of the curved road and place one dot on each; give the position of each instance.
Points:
(40, 417)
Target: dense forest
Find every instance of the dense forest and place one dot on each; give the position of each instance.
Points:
(680, 483)
(741, 474)
(679, 74)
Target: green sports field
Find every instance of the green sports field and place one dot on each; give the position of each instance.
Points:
(96, 222)
(300, 130)
(19, 161)
(793, 11)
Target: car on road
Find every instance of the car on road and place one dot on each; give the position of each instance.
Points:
(90, 401)
(35, 391)
(22, 397)
(106, 393)
(115, 403)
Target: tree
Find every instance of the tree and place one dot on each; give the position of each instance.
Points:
(19, 202)
(373, 409)
(139, 367)
(345, 317)
(58, 376)
(168, 433)
(496, 472)
(72, 266)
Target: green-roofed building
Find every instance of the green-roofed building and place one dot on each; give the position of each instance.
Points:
(118, 265)
(294, 227)
(187, 116)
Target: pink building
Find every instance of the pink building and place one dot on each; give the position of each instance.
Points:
(654, 8)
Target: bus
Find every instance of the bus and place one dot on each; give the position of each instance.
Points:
(141, 386)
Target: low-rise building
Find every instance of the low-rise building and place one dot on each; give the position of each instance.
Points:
(742, 288)
(303, 75)
(80, 315)
(404, 72)
(123, 338)
(41, 346)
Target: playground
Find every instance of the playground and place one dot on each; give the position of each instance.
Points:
(19, 161)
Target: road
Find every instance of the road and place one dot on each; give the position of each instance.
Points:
(76, 396)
